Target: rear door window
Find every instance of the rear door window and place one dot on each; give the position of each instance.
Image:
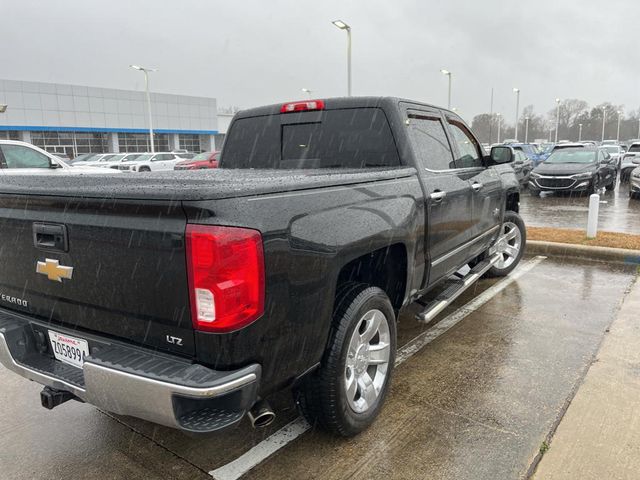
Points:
(430, 142)
(347, 138)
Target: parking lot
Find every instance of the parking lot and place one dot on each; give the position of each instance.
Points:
(493, 377)
(618, 213)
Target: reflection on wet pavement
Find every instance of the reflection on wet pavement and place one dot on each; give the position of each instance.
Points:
(618, 213)
(478, 401)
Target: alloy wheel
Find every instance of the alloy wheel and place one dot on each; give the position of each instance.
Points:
(367, 361)
(508, 245)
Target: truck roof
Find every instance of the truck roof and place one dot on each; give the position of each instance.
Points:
(337, 103)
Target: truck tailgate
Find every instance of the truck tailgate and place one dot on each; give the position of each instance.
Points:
(129, 277)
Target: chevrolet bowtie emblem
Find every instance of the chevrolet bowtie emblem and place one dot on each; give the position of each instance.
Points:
(53, 270)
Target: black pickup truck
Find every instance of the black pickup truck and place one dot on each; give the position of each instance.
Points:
(190, 298)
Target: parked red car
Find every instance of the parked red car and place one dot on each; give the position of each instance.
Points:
(200, 161)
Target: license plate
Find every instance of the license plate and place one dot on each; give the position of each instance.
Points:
(68, 349)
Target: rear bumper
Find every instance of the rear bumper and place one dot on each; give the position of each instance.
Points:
(132, 381)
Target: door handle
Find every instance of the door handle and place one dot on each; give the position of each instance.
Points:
(437, 196)
(477, 186)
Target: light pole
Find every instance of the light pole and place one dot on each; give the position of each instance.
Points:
(557, 117)
(307, 91)
(579, 132)
(526, 129)
(499, 125)
(618, 131)
(146, 88)
(639, 128)
(604, 118)
(517, 92)
(491, 118)
(343, 26)
(448, 74)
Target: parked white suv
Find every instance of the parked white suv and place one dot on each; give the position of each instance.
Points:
(116, 160)
(22, 158)
(152, 162)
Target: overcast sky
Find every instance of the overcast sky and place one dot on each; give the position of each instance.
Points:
(248, 53)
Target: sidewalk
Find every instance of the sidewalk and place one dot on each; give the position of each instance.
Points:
(599, 435)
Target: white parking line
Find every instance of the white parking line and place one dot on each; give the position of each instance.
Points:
(256, 455)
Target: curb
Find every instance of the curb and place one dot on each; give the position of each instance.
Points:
(598, 254)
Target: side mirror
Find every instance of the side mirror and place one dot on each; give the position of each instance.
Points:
(501, 154)
(54, 164)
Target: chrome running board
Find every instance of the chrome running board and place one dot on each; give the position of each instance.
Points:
(453, 288)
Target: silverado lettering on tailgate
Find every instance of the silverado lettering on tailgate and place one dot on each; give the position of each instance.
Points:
(14, 300)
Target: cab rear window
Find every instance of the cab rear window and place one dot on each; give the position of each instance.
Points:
(348, 138)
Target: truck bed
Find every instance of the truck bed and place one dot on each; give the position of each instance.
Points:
(193, 186)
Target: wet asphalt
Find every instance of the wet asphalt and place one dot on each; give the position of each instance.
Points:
(475, 403)
(617, 212)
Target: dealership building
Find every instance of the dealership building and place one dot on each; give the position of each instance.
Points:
(74, 119)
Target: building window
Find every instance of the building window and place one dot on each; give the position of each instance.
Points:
(9, 135)
(139, 142)
(190, 142)
(71, 143)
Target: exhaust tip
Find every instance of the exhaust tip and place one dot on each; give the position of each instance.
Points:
(261, 415)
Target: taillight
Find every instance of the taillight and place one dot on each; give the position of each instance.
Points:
(226, 276)
(305, 106)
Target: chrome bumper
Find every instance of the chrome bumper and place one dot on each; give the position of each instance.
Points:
(143, 394)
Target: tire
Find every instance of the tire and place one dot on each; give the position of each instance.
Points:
(144, 169)
(593, 187)
(612, 185)
(510, 256)
(323, 396)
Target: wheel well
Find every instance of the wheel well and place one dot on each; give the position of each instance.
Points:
(385, 268)
(513, 201)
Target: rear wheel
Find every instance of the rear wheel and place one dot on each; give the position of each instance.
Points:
(509, 245)
(345, 394)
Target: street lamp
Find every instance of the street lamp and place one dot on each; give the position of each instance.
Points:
(579, 132)
(343, 26)
(526, 129)
(3, 107)
(517, 92)
(499, 125)
(604, 118)
(638, 128)
(448, 74)
(618, 132)
(557, 117)
(307, 91)
(146, 88)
